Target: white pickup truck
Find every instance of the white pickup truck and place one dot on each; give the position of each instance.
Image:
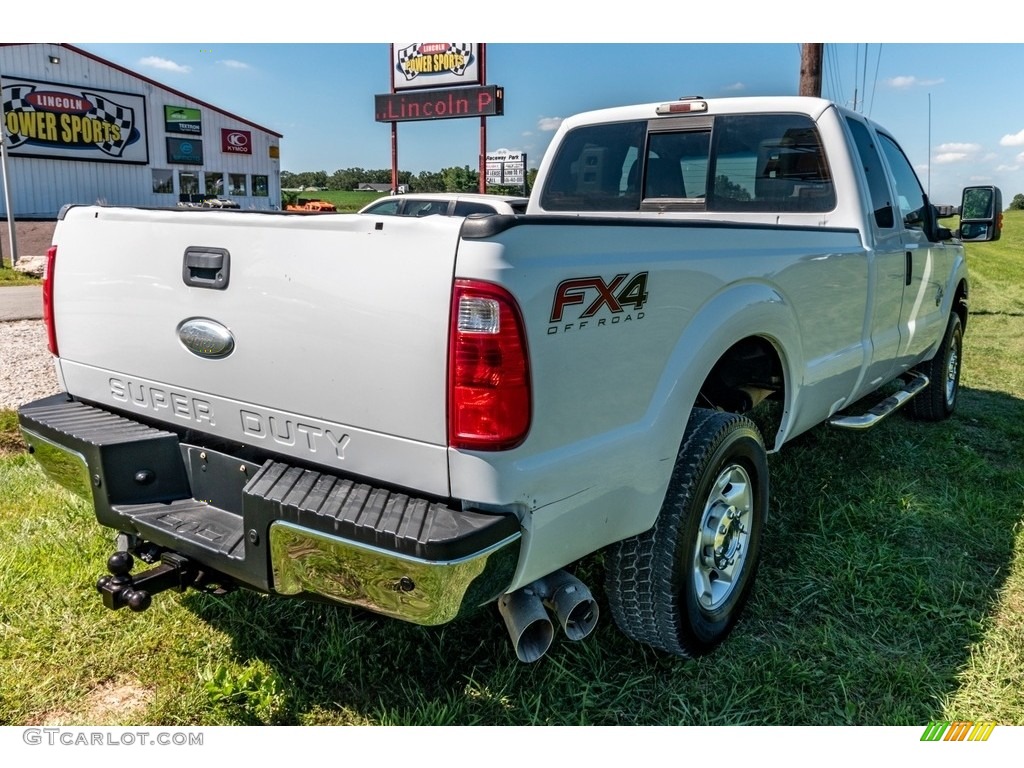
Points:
(421, 417)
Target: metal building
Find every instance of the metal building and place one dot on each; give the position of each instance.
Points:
(81, 129)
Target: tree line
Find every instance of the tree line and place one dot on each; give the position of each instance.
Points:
(455, 179)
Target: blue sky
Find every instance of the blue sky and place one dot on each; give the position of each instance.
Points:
(320, 96)
(955, 107)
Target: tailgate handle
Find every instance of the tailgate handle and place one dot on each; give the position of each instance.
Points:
(206, 267)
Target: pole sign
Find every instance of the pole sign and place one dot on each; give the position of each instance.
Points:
(506, 168)
(440, 104)
(432, 65)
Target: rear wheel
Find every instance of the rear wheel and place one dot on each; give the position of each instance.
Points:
(938, 401)
(680, 586)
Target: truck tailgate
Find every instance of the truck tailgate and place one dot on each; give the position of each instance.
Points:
(338, 326)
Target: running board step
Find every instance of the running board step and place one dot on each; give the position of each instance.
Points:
(917, 383)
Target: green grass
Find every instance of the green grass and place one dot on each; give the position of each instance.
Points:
(10, 276)
(891, 593)
(344, 201)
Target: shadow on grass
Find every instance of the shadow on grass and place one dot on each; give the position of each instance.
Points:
(884, 554)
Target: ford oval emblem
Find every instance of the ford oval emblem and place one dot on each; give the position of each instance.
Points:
(206, 338)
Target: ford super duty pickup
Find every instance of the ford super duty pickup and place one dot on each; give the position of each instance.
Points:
(421, 417)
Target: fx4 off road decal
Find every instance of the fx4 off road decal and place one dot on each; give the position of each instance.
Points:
(590, 302)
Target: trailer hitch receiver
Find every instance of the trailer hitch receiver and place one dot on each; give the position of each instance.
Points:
(120, 588)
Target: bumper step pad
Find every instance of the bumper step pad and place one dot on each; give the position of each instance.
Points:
(373, 516)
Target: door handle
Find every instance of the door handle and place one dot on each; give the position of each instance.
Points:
(910, 268)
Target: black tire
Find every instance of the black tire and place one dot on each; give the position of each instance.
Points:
(938, 401)
(665, 586)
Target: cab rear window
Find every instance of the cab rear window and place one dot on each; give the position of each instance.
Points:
(759, 163)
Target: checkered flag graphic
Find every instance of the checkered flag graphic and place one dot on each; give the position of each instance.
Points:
(466, 49)
(15, 101)
(108, 111)
(404, 56)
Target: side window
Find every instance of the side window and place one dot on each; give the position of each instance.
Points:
(771, 163)
(387, 208)
(871, 161)
(466, 207)
(597, 169)
(425, 208)
(909, 193)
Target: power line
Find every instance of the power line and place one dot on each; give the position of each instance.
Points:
(874, 85)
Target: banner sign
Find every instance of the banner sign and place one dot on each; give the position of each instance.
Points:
(185, 151)
(440, 104)
(182, 120)
(235, 142)
(505, 167)
(42, 119)
(430, 65)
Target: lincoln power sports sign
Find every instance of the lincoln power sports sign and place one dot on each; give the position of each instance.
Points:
(73, 123)
(431, 65)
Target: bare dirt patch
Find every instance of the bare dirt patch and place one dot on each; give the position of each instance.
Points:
(34, 238)
(112, 702)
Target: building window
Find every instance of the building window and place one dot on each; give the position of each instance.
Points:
(214, 184)
(188, 183)
(163, 182)
(260, 186)
(237, 184)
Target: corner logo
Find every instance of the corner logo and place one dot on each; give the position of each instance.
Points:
(960, 730)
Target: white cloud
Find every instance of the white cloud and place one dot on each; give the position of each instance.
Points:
(1012, 139)
(736, 87)
(910, 81)
(958, 147)
(549, 123)
(950, 157)
(155, 62)
(233, 64)
(1009, 168)
(1020, 158)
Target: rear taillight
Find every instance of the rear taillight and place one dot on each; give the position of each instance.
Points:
(488, 369)
(48, 319)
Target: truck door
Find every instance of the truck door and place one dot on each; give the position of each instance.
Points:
(888, 268)
(927, 263)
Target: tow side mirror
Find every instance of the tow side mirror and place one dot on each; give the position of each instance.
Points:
(981, 214)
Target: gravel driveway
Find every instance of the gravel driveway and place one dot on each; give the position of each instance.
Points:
(26, 368)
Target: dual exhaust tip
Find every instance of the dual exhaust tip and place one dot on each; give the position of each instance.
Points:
(527, 618)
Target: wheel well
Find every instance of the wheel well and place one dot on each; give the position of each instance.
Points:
(748, 373)
(960, 303)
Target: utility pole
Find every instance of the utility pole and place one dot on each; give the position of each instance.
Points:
(810, 68)
(4, 162)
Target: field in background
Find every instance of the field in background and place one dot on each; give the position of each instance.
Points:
(891, 593)
(345, 202)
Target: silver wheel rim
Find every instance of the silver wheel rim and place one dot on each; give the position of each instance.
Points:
(722, 541)
(952, 364)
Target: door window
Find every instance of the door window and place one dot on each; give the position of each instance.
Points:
(909, 194)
